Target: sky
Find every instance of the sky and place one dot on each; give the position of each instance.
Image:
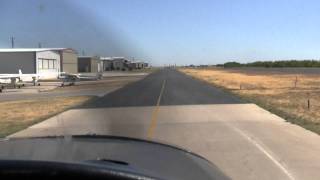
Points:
(162, 32)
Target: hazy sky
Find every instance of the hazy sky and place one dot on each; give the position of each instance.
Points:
(168, 31)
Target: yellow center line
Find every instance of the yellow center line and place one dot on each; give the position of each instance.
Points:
(155, 112)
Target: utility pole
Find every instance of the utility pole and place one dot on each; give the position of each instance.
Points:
(12, 41)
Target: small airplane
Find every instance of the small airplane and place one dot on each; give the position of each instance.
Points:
(18, 80)
(68, 78)
(73, 78)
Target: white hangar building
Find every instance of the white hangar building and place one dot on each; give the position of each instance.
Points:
(47, 62)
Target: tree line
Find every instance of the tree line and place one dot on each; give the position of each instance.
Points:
(270, 64)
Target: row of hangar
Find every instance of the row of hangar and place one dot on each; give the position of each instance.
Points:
(49, 62)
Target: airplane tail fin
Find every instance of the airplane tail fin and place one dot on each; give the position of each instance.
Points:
(20, 74)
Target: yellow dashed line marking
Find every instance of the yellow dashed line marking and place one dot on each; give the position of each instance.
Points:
(155, 112)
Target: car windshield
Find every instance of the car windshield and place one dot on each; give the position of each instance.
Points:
(235, 81)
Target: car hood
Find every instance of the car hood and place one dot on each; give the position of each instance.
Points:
(145, 157)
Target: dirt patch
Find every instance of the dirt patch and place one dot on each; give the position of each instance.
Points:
(18, 115)
(286, 95)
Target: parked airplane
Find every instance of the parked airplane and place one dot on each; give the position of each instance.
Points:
(68, 78)
(18, 80)
(72, 78)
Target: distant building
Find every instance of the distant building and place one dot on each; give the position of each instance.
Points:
(47, 62)
(107, 63)
(134, 65)
(138, 65)
(89, 64)
(120, 63)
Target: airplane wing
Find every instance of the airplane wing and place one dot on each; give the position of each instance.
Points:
(89, 77)
(12, 78)
(64, 75)
(20, 75)
(8, 76)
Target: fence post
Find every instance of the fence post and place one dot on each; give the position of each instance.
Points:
(295, 82)
(308, 104)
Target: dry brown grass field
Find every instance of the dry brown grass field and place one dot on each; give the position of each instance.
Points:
(284, 93)
(18, 115)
